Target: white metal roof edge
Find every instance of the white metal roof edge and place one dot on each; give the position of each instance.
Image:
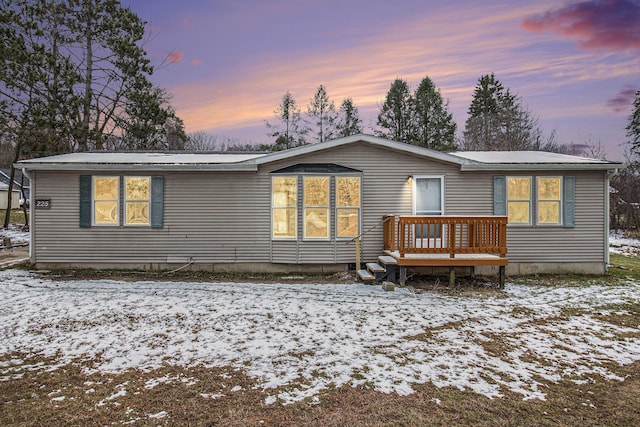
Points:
(240, 166)
(471, 167)
(369, 139)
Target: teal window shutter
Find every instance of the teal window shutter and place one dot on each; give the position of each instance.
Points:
(569, 201)
(500, 195)
(157, 201)
(85, 201)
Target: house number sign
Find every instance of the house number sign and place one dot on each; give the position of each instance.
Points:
(43, 203)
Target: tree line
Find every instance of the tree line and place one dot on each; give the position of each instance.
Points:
(74, 76)
(497, 119)
(625, 185)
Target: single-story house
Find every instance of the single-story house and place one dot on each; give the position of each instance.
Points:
(18, 192)
(301, 209)
(4, 196)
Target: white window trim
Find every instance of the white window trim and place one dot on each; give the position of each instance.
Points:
(414, 192)
(93, 201)
(280, 239)
(561, 200)
(344, 238)
(328, 208)
(124, 197)
(531, 200)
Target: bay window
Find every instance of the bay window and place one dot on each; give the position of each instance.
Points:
(284, 212)
(347, 206)
(316, 207)
(309, 212)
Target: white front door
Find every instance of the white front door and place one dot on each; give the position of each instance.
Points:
(428, 199)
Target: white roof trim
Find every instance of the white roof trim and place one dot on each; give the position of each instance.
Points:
(159, 161)
(143, 161)
(369, 139)
(529, 160)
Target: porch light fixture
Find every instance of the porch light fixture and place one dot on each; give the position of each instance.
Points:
(409, 179)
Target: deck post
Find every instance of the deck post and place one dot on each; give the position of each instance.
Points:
(502, 276)
(452, 277)
(403, 275)
(358, 261)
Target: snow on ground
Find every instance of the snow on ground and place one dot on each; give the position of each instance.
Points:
(623, 245)
(297, 340)
(15, 233)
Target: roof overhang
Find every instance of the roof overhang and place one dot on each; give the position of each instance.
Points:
(367, 139)
(153, 161)
(529, 161)
(243, 167)
(250, 162)
(537, 166)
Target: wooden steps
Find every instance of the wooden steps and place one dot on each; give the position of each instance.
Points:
(376, 272)
(365, 276)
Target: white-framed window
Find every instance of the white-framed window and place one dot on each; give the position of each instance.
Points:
(536, 200)
(348, 201)
(428, 194)
(284, 210)
(315, 210)
(106, 200)
(549, 201)
(137, 195)
(428, 199)
(519, 199)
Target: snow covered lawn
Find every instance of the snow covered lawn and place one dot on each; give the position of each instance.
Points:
(618, 244)
(17, 235)
(298, 340)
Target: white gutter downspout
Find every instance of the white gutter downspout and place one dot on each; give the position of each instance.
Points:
(32, 188)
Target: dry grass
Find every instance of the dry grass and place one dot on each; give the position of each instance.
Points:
(16, 216)
(202, 396)
(34, 400)
(224, 396)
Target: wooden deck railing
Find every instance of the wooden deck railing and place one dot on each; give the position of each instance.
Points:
(446, 235)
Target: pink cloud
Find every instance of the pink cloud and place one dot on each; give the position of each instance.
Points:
(623, 100)
(175, 56)
(185, 21)
(196, 61)
(612, 25)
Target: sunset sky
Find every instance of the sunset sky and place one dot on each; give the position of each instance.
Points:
(576, 64)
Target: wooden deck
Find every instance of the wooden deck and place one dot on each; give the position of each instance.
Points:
(446, 241)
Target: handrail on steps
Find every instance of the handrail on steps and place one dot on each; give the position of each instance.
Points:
(358, 237)
(383, 220)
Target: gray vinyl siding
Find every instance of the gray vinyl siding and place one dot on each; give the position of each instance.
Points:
(211, 217)
(225, 217)
(385, 190)
(471, 194)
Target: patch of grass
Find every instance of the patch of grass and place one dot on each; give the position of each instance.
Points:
(196, 276)
(202, 396)
(496, 345)
(16, 216)
(625, 315)
(623, 266)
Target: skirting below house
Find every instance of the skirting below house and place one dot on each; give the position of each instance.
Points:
(513, 269)
(213, 268)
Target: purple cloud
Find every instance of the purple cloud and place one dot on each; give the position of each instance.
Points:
(623, 99)
(175, 56)
(613, 25)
